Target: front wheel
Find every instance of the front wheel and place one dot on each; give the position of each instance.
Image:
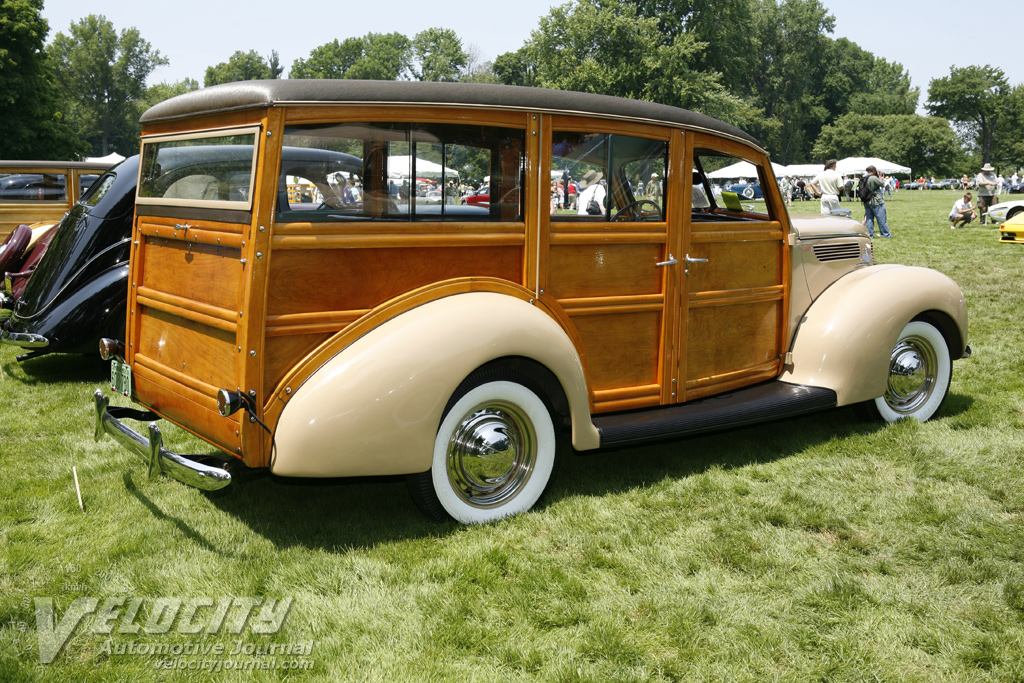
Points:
(494, 455)
(920, 370)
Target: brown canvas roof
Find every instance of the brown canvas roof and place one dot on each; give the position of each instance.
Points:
(267, 93)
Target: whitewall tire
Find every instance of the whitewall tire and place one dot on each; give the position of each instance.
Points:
(494, 453)
(920, 370)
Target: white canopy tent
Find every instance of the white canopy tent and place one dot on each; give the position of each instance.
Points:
(112, 158)
(401, 167)
(857, 166)
(804, 170)
(745, 169)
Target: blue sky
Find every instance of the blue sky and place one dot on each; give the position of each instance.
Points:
(925, 37)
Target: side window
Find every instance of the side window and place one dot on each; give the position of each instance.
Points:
(602, 177)
(726, 187)
(401, 172)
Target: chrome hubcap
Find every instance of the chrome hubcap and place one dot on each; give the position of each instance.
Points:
(912, 375)
(491, 454)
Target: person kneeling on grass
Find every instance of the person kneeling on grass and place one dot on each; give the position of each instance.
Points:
(962, 211)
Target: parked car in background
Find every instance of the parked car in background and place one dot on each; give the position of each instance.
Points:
(913, 185)
(37, 191)
(1004, 211)
(457, 345)
(76, 293)
(1012, 230)
(944, 184)
(746, 190)
(479, 197)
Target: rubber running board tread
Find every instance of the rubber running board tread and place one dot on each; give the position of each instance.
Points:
(751, 405)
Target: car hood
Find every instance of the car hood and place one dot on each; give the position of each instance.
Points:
(817, 226)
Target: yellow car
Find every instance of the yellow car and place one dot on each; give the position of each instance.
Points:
(1012, 230)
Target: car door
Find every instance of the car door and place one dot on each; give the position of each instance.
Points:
(734, 283)
(604, 262)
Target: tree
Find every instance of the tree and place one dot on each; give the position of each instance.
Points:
(972, 97)
(609, 48)
(33, 126)
(1010, 150)
(888, 91)
(924, 143)
(244, 66)
(376, 56)
(438, 54)
(102, 80)
(156, 94)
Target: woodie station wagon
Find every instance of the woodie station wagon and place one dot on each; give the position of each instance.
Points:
(365, 328)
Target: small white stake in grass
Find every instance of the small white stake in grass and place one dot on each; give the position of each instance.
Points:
(78, 489)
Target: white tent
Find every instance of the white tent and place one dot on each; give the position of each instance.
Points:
(804, 170)
(745, 169)
(112, 158)
(857, 166)
(401, 167)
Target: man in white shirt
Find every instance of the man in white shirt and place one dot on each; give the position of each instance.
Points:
(827, 184)
(987, 195)
(962, 211)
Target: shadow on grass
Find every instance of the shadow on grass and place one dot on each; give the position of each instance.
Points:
(58, 367)
(335, 514)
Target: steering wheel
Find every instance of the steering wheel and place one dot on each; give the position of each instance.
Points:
(636, 204)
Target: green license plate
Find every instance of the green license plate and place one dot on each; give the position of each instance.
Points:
(121, 378)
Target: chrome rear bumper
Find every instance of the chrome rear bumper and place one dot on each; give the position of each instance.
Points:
(159, 459)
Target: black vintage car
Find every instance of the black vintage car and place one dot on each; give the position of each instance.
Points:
(78, 292)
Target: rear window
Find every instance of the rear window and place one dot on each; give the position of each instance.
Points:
(215, 169)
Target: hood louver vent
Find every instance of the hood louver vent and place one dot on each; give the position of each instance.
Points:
(837, 252)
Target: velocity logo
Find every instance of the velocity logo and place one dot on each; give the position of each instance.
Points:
(133, 616)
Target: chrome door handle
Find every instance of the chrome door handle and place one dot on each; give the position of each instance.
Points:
(695, 260)
(672, 260)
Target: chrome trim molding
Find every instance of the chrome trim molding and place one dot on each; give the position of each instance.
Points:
(24, 340)
(159, 459)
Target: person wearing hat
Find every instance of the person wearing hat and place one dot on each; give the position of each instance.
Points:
(986, 191)
(653, 191)
(592, 194)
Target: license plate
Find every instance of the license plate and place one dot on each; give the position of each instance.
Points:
(121, 378)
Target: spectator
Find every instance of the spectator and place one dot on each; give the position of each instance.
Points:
(874, 206)
(962, 212)
(654, 189)
(987, 195)
(827, 184)
(591, 197)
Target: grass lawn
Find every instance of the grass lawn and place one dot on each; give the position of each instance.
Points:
(821, 548)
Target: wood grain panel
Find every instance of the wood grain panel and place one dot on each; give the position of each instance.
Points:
(199, 351)
(735, 265)
(347, 279)
(281, 354)
(621, 350)
(744, 335)
(204, 273)
(589, 270)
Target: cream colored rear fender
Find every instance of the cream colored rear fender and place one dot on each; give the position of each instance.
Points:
(375, 407)
(845, 339)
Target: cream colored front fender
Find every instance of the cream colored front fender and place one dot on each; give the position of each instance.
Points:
(374, 408)
(845, 339)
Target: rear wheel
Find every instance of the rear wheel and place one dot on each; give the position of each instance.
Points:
(920, 370)
(494, 454)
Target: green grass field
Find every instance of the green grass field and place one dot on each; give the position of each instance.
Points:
(816, 549)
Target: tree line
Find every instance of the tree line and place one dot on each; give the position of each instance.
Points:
(769, 67)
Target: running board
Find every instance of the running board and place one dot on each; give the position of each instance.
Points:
(751, 405)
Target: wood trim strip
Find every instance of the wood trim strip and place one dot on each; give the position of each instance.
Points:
(752, 295)
(607, 238)
(204, 314)
(194, 234)
(296, 242)
(203, 393)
